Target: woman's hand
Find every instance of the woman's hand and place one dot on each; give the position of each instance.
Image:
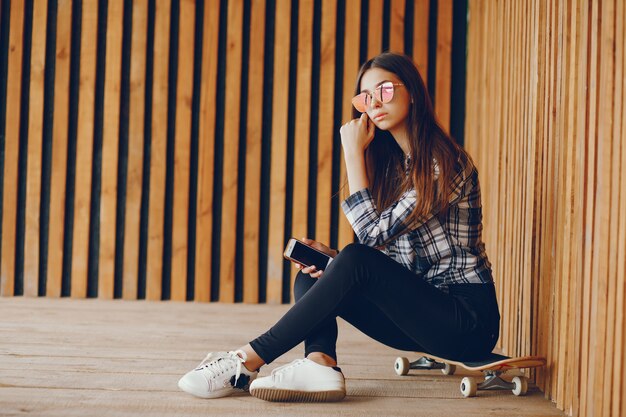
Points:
(356, 135)
(312, 270)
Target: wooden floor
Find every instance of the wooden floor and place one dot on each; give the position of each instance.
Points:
(61, 357)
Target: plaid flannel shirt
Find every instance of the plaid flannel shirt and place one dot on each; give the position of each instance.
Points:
(443, 251)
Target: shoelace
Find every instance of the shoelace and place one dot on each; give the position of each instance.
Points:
(216, 363)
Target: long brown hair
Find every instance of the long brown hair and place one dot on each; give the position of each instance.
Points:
(428, 142)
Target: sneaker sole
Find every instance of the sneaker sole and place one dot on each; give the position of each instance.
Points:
(281, 395)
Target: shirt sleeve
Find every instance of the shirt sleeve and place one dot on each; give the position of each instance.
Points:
(374, 228)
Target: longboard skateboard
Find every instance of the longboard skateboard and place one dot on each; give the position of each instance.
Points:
(493, 366)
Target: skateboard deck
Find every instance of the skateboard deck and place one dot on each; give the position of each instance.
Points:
(492, 366)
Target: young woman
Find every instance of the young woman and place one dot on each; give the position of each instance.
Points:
(419, 280)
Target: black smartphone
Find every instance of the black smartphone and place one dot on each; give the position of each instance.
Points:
(306, 255)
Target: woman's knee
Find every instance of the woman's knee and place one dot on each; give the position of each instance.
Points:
(355, 252)
(302, 284)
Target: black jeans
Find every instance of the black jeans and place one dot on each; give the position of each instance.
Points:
(389, 303)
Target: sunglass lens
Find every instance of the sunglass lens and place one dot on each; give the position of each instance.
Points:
(386, 92)
(360, 102)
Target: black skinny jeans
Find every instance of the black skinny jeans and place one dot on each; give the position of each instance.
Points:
(387, 302)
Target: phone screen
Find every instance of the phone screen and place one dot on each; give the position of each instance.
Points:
(307, 256)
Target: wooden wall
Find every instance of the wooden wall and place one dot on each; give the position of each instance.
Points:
(168, 149)
(545, 123)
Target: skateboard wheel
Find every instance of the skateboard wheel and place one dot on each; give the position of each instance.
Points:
(469, 387)
(521, 385)
(448, 369)
(402, 366)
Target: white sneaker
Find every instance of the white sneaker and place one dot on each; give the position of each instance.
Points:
(218, 375)
(301, 380)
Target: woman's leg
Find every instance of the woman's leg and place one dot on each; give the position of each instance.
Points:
(433, 320)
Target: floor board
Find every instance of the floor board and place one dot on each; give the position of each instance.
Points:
(63, 357)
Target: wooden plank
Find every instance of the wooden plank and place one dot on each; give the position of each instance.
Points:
(35, 137)
(420, 37)
(325, 124)
(206, 141)
(58, 172)
(134, 175)
(350, 72)
(602, 251)
(230, 174)
(374, 28)
(158, 149)
(303, 123)
(444, 62)
(11, 150)
(278, 170)
(110, 145)
(396, 26)
(182, 150)
(84, 149)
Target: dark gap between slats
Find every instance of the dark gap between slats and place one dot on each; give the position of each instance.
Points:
(171, 147)
(266, 146)
(409, 27)
(193, 161)
(70, 185)
(386, 24)
(46, 150)
(241, 160)
(363, 33)
(432, 49)
(291, 127)
(5, 13)
(315, 98)
(96, 172)
(337, 118)
(27, 40)
(220, 97)
(122, 155)
(459, 66)
(147, 144)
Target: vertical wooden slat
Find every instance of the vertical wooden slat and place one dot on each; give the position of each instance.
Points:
(420, 36)
(84, 149)
(110, 141)
(206, 141)
(396, 30)
(58, 170)
(231, 152)
(253, 150)
(279, 152)
(184, 92)
(375, 28)
(444, 62)
(154, 262)
(11, 149)
(303, 122)
(350, 71)
(134, 176)
(325, 130)
(35, 132)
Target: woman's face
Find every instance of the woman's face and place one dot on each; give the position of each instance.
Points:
(391, 115)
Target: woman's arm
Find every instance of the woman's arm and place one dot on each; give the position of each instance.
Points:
(356, 135)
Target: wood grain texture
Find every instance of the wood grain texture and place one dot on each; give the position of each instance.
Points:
(421, 12)
(35, 142)
(136, 124)
(84, 149)
(206, 143)
(230, 174)
(396, 26)
(278, 170)
(158, 146)
(58, 172)
(110, 148)
(548, 130)
(11, 151)
(182, 149)
(444, 62)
